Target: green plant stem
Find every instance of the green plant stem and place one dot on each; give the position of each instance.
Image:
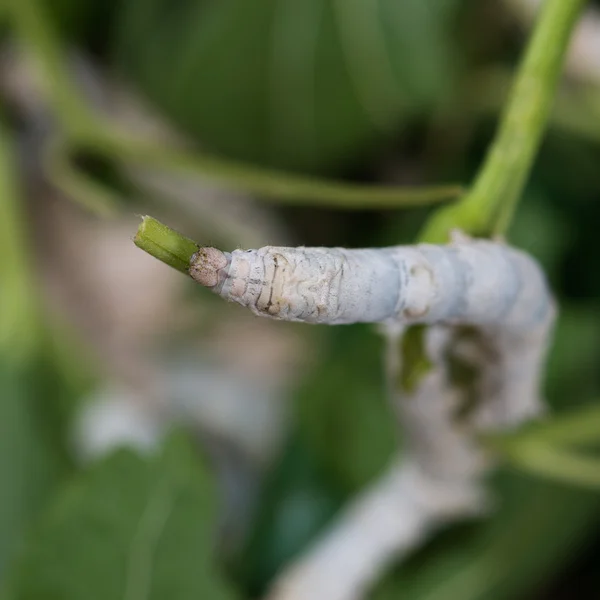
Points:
(553, 462)
(74, 183)
(576, 109)
(275, 186)
(555, 448)
(576, 427)
(33, 24)
(20, 323)
(166, 244)
(85, 129)
(488, 206)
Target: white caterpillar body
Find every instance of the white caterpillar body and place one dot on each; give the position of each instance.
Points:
(469, 281)
(490, 310)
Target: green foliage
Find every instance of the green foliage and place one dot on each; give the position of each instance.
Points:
(130, 527)
(343, 414)
(32, 462)
(79, 19)
(543, 230)
(538, 527)
(298, 500)
(414, 361)
(572, 371)
(304, 85)
(19, 327)
(68, 15)
(32, 390)
(345, 435)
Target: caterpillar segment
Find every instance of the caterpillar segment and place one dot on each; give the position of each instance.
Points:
(477, 282)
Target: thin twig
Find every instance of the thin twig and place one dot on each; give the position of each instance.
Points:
(583, 56)
(20, 325)
(86, 129)
(489, 205)
(552, 461)
(555, 448)
(165, 244)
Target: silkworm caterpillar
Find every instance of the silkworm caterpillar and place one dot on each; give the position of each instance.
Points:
(490, 314)
(496, 290)
(479, 282)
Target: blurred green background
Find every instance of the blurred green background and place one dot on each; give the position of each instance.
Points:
(157, 443)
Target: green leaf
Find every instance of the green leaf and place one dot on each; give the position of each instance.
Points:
(573, 361)
(31, 461)
(79, 20)
(297, 501)
(343, 412)
(129, 529)
(19, 326)
(305, 85)
(560, 448)
(538, 527)
(542, 230)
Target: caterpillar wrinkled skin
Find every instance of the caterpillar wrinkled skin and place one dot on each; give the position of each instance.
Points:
(478, 282)
(489, 310)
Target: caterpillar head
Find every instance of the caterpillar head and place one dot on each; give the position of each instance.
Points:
(205, 266)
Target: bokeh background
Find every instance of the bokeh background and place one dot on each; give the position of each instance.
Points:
(158, 443)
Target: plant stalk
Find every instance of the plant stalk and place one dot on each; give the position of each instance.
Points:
(165, 244)
(488, 207)
(84, 129)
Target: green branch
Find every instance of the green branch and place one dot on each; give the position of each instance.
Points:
(555, 448)
(577, 427)
(553, 462)
(33, 25)
(86, 129)
(276, 186)
(488, 206)
(20, 324)
(576, 109)
(165, 243)
(74, 183)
